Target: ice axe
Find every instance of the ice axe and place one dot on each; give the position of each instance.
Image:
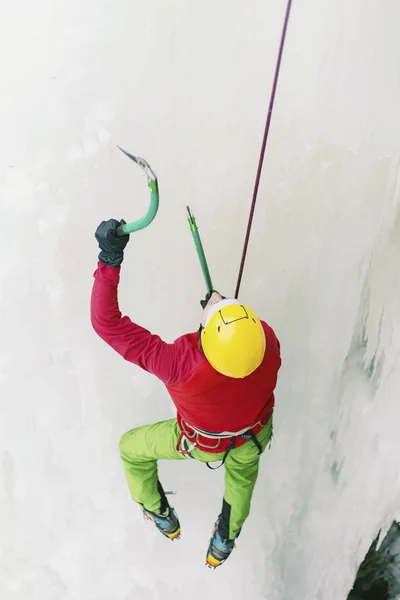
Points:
(152, 211)
(154, 197)
(200, 252)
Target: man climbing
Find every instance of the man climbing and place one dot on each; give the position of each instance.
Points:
(221, 379)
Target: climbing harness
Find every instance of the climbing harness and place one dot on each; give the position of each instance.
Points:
(187, 437)
(248, 435)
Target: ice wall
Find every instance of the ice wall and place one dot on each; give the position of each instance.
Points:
(186, 85)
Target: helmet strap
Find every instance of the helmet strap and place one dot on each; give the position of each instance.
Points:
(199, 336)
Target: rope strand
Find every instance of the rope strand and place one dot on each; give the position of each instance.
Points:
(264, 144)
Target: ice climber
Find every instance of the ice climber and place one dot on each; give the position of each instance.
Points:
(221, 379)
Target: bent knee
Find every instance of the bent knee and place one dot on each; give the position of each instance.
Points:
(126, 443)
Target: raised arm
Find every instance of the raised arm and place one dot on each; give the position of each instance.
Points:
(133, 342)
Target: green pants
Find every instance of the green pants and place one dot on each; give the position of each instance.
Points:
(142, 447)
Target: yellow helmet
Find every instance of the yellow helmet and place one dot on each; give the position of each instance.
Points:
(233, 338)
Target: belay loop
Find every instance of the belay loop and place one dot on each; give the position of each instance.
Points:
(264, 143)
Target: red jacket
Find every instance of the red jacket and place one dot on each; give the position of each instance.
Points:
(204, 398)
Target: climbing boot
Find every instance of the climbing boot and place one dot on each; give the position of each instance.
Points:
(166, 522)
(219, 549)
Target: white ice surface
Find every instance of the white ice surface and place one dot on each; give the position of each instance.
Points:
(186, 85)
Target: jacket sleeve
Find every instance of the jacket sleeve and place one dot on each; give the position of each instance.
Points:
(134, 343)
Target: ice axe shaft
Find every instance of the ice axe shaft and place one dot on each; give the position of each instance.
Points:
(152, 211)
(154, 197)
(200, 251)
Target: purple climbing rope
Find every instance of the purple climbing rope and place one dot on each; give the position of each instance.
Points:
(264, 143)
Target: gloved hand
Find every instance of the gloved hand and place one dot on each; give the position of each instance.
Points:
(112, 245)
(206, 299)
(208, 296)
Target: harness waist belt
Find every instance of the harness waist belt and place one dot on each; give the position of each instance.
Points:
(221, 434)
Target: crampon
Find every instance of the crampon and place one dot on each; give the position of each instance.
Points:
(219, 549)
(167, 523)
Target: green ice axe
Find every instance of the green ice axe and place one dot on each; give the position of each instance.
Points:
(154, 198)
(200, 251)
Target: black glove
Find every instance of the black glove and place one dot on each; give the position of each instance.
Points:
(112, 245)
(206, 299)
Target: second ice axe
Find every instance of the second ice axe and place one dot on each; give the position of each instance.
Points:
(200, 252)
